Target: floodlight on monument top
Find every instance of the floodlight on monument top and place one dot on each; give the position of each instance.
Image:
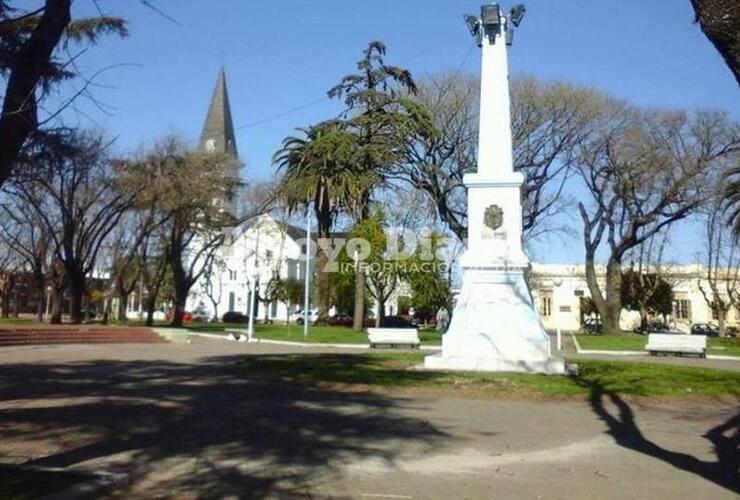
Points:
(488, 25)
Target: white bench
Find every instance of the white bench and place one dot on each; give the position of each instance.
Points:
(393, 337)
(679, 344)
(238, 334)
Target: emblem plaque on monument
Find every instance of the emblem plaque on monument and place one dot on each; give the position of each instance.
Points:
(495, 326)
(493, 217)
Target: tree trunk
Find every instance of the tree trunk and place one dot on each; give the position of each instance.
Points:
(16, 303)
(122, 306)
(76, 293)
(613, 309)
(57, 302)
(18, 118)
(381, 313)
(6, 305)
(150, 304)
(358, 320)
(643, 316)
(40, 298)
(323, 297)
(181, 298)
(719, 20)
(593, 284)
(721, 312)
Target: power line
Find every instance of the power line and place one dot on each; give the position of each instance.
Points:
(318, 100)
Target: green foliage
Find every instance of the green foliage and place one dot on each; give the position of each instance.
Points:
(648, 291)
(377, 111)
(428, 280)
(290, 291)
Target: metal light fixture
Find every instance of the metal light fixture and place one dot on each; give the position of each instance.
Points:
(490, 16)
(489, 24)
(473, 24)
(516, 14)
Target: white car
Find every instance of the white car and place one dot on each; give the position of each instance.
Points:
(313, 314)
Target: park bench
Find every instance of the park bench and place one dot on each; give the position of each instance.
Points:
(239, 334)
(679, 344)
(393, 337)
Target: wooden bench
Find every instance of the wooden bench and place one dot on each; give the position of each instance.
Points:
(393, 337)
(679, 344)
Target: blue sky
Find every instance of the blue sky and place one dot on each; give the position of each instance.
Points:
(280, 55)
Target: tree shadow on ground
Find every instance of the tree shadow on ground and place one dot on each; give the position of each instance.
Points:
(622, 426)
(206, 427)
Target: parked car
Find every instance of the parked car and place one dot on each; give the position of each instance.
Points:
(732, 331)
(313, 315)
(187, 316)
(397, 322)
(235, 317)
(591, 326)
(707, 329)
(652, 327)
(340, 320)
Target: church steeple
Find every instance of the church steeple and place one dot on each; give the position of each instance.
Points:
(218, 129)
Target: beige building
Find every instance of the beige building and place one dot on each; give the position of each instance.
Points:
(559, 291)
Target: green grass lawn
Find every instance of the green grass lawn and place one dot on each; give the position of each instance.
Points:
(316, 334)
(393, 370)
(16, 321)
(636, 342)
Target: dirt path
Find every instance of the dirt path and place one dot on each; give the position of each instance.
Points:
(183, 421)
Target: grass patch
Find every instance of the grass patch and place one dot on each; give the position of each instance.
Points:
(613, 342)
(316, 334)
(393, 370)
(636, 342)
(21, 484)
(16, 321)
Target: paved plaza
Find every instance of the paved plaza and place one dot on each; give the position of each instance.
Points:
(185, 421)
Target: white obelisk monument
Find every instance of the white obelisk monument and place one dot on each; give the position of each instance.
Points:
(494, 325)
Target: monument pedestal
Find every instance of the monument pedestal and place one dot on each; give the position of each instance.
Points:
(495, 327)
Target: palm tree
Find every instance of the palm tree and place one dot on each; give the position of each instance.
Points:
(321, 168)
(381, 117)
(732, 198)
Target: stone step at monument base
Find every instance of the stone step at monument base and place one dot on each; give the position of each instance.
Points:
(45, 335)
(552, 366)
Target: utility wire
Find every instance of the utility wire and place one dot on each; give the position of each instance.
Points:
(320, 99)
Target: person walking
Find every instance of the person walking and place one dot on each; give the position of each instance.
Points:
(443, 320)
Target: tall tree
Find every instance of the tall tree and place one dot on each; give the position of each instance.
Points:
(190, 190)
(321, 170)
(720, 283)
(549, 119)
(380, 115)
(29, 38)
(74, 191)
(27, 237)
(643, 171)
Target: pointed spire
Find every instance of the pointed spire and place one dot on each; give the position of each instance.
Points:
(218, 130)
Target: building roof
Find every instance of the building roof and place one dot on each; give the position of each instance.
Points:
(218, 129)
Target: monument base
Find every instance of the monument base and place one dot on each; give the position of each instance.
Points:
(495, 327)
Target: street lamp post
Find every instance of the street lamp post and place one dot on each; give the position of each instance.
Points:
(307, 280)
(255, 284)
(558, 282)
